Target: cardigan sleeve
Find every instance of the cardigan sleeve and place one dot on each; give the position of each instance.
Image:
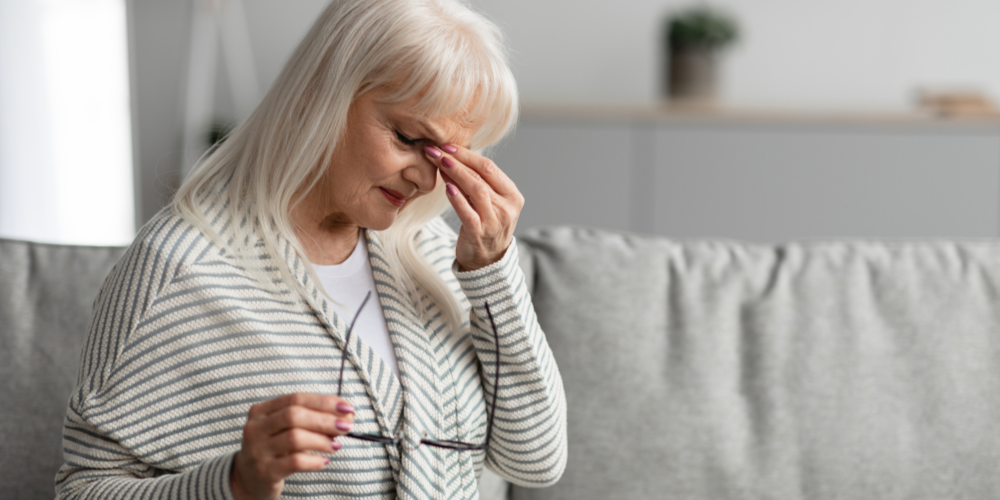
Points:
(97, 467)
(528, 444)
(96, 463)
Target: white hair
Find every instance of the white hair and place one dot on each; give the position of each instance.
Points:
(440, 51)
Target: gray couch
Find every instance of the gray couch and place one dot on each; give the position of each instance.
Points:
(697, 369)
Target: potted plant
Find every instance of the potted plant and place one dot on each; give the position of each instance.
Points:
(694, 38)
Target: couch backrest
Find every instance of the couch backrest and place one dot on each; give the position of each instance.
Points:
(46, 296)
(718, 370)
(692, 369)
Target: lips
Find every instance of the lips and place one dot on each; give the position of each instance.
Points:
(394, 197)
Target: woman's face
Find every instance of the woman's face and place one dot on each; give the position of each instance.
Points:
(379, 166)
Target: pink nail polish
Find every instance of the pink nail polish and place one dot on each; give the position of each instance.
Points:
(336, 445)
(433, 151)
(326, 461)
(344, 426)
(345, 408)
(451, 189)
(449, 148)
(448, 162)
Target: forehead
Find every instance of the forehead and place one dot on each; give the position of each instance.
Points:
(457, 127)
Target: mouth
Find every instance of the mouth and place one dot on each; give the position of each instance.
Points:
(394, 197)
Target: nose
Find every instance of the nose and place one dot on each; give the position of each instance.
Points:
(423, 174)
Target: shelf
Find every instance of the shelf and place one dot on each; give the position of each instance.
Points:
(674, 113)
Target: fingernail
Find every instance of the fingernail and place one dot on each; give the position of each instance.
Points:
(449, 148)
(344, 426)
(336, 445)
(345, 408)
(326, 461)
(451, 190)
(447, 162)
(433, 151)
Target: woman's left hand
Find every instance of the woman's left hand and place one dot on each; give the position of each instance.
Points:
(486, 201)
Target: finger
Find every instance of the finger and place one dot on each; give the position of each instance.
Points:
(297, 441)
(458, 171)
(448, 180)
(506, 207)
(448, 164)
(298, 462)
(463, 209)
(318, 402)
(478, 192)
(436, 156)
(484, 167)
(505, 211)
(299, 417)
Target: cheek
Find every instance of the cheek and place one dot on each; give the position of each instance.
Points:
(382, 162)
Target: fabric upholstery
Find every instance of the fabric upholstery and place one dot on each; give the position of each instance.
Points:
(46, 295)
(692, 369)
(721, 370)
(46, 298)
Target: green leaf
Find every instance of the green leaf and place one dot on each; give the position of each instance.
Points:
(701, 27)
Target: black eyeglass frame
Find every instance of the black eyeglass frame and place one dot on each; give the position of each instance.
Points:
(438, 443)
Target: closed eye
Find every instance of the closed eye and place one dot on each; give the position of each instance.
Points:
(406, 140)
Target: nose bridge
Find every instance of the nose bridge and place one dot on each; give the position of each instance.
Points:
(423, 173)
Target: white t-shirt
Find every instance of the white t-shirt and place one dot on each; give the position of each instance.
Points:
(347, 283)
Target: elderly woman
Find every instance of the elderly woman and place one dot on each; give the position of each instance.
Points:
(222, 361)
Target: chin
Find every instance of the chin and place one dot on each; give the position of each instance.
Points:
(381, 223)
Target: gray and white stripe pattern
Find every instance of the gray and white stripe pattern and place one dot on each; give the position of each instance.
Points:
(183, 341)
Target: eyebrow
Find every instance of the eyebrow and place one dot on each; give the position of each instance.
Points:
(435, 134)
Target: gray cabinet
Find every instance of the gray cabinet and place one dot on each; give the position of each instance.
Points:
(760, 179)
(570, 173)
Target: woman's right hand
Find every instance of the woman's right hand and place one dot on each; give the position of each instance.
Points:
(277, 439)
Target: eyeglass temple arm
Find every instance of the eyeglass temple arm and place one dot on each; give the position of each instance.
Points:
(454, 445)
(347, 342)
(496, 376)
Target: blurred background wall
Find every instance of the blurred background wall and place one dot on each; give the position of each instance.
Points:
(830, 150)
(848, 166)
(817, 53)
(66, 159)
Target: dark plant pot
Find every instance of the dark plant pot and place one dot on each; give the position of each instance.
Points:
(693, 75)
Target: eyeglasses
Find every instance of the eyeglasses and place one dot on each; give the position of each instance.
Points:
(451, 445)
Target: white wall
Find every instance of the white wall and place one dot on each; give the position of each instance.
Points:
(871, 53)
(804, 53)
(832, 53)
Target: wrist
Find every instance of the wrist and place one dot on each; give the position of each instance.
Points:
(465, 267)
(234, 482)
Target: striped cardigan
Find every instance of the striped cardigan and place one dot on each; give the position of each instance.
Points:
(183, 341)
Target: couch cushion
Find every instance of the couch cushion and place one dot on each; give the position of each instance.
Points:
(46, 295)
(804, 371)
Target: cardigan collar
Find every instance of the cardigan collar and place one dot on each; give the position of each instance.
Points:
(419, 383)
